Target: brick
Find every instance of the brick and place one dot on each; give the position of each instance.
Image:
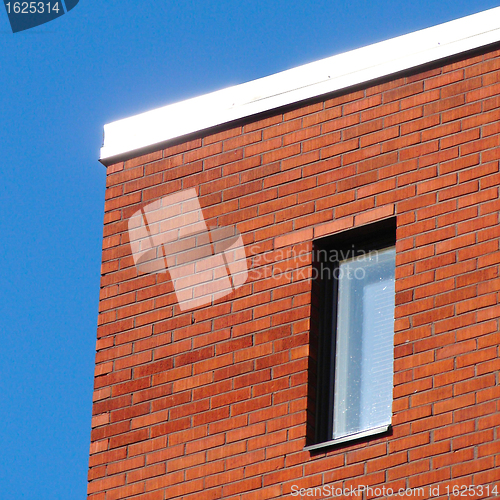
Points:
(294, 237)
(128, 438)
(379, 137)
(333, 227)
(123, 176)
(356, 131)
(461, 112)
(351, 208)
(362, 104)
(445, 79)
(480, 145)
(182, 147)
(373, 215)
(437, 184)
(340, 123)
(434, 236)
(221, 136)
(444, 104)
(337, 149)
(460, 88)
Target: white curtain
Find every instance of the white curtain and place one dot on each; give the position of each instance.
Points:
(364, 347)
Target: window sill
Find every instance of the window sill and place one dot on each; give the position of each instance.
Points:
(351, 437)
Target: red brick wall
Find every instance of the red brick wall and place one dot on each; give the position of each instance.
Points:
(214, 400)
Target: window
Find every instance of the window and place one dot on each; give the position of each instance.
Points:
(354, 287)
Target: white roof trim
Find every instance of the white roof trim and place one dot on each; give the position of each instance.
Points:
(304, 82)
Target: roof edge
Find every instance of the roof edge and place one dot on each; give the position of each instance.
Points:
(325, 76)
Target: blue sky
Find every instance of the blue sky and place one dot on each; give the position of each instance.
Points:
(59, 84)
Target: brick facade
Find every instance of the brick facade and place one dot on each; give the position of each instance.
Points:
(213, 403)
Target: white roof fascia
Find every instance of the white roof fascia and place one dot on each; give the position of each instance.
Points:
(310, 80)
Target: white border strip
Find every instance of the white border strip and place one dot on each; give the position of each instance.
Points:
(294, 85)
